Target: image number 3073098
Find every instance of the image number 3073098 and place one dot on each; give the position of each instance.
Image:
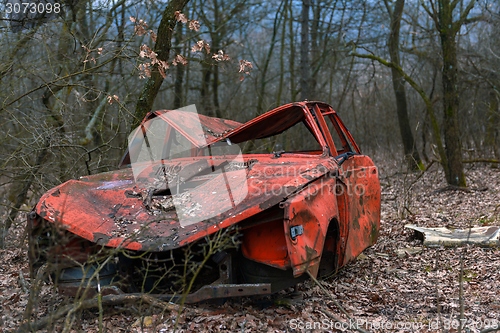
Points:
(24, 15)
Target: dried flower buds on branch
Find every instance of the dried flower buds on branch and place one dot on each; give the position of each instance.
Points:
(140, 28)
(112, 99)
(145, 69)
(200, 45)
(179, 60)
(193, 24)
(245, 67)
(180, 17)
(221, 56)
(88, 55)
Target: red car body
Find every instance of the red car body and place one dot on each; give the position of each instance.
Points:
(287, 213)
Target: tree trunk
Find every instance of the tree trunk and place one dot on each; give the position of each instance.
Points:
(493, 128)
(315, 57)
(162, 48)
(179, 74)
(216, 35)
(267, 60)
(206, 73)
(447, 34)
(305, 65)
(410, 150)
(291, 34)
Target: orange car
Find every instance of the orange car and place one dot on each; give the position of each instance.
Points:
(205, 208)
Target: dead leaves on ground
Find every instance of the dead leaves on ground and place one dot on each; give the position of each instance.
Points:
(385, 287)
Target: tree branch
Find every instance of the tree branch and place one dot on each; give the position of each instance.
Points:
(432, 13)
(93, 303)
(162, 48)
(458, 23)
(423, 95)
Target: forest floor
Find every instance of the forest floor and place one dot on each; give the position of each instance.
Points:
(395, 286)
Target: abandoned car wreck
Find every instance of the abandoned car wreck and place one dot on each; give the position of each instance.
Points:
(202, 208)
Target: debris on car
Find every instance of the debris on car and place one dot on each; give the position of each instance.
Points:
(205, 208)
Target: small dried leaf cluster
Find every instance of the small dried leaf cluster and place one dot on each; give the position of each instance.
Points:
(179, 59)
(192, 24)
(145, 69)
(140, 28)
(221, 56)
(245, 68)
(112, 99)
(200, 46)
(88, 54)
(146, 52)
(161, 65)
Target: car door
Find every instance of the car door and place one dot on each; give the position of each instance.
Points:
(357, 189)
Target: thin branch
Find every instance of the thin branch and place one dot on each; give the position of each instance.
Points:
(94, 303)
(423, 95)
(432, 13)
(88, 129)
(388, 7)
(482, 160)
(48, 84)
(463, 17)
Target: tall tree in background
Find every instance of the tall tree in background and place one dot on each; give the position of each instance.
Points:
(442, 13)
(305, 64)
(410, 150)
(450, 153)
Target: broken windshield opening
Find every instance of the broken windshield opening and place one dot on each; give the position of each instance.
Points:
(297, 139)
(174, 168)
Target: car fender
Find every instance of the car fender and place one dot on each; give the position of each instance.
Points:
(306, 219)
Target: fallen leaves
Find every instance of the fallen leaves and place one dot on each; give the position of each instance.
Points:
(397, 285)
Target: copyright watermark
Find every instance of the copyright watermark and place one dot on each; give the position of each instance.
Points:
(327, 324)
(387, 325)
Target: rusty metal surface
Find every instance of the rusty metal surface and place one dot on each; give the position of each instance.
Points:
(225, 290)
(204, 293)
(361, 191)
(312, 210)
(110, 211)
(208, 292)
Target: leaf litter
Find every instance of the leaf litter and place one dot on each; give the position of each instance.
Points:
(390, 287)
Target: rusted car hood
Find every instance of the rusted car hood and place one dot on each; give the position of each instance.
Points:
(114, 210)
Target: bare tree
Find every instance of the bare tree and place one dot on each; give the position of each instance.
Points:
(410, 150)
(450, 151)
(442, 13)
(305, 63)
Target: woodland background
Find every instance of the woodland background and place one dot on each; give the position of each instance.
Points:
(416, 82)
(416, 79)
